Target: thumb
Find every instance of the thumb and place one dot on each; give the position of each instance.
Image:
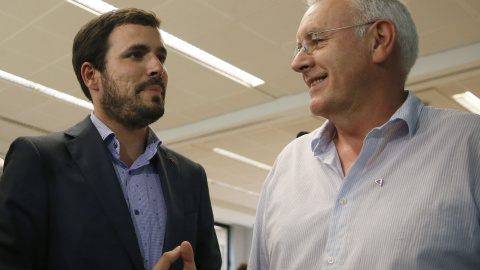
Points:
(187, 256)
(167, 259)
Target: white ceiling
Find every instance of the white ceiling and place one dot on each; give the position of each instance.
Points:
(204, 109)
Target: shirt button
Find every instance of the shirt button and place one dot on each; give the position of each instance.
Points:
(137, 212)
(330, 260)
(343, 201)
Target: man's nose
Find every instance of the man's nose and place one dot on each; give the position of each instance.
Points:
(301, 61)
(155, 67)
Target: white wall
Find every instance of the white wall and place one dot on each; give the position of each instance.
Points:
(240, 245)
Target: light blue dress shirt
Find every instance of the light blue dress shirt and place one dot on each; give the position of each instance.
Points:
(410, 200)
(143, 193)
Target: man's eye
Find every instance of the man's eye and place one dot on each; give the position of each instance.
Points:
(134, 55)
(318, 41)
(162, 58)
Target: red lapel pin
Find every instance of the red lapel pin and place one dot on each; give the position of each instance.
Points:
(379, 182)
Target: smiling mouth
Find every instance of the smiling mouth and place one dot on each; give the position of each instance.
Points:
(317, 81)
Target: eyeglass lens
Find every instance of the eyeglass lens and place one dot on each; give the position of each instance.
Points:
(309, 42)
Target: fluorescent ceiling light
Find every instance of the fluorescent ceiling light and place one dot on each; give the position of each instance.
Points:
(210, 61)
(243, 159)
(1, 163)
(45, 90)
(469, 101)
(207, 60)
(96, 7)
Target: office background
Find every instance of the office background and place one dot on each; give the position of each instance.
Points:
(234, 129)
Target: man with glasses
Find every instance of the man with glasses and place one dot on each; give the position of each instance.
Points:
(386, 182)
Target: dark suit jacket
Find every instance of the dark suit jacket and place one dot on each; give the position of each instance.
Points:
(62, 207)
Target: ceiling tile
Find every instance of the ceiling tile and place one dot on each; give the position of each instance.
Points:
(27, 10)
(189, 20)
(178, 100)
(26, 98)
(48, 47)
(9, 26)
(38, 118)
(65, 21)
(203, 111)
(238, 10)
(232, 42)
(18, 63)
(432, 97)
(430, 15)
(171, 120)
(8, 106)
(242, 100)
(459, 33)
(199, 80)
(291, 13)
(11, 131)
(471, 84)
(66, 114)
(143, 4)
(472, 6)
(59, 79)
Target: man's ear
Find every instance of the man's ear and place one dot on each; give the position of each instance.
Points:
(91, 76)
(384, 36)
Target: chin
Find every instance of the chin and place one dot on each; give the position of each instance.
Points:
(316, 108)
(157, 99)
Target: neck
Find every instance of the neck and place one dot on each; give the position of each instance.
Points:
(132, 145)
(352, 128)
(132, 141)
(376, 110)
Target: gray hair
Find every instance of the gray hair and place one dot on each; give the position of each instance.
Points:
(371, 10)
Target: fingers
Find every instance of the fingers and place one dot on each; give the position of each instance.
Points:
(187, 256)
(185, 250)
(167, 259)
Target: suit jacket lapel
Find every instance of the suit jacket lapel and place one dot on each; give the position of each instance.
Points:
(93, 159)
(169, 172)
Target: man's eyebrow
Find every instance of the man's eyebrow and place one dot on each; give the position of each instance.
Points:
(145, 48)
(138, 47)
(142, 47)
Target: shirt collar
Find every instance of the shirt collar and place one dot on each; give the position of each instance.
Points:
(323, 136)
(108, 135)
(409, 112)
(104, 131)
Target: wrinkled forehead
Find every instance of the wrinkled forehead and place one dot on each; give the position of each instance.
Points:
(324, 15)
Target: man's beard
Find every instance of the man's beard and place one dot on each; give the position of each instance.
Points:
(131, 112)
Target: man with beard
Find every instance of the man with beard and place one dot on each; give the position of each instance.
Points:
(105, 194)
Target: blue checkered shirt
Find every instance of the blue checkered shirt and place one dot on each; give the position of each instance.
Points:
(143, 193)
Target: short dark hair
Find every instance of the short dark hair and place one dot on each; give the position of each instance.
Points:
(91, 42)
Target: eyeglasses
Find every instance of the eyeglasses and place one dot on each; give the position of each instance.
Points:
(310, 41)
